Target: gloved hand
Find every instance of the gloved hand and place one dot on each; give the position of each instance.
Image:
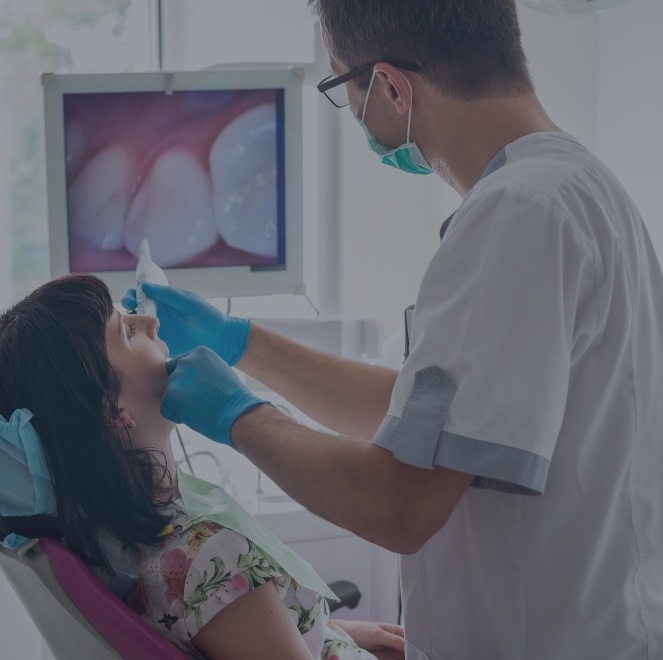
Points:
(187, 321)
(205, 394)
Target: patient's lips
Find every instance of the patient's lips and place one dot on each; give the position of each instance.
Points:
(99, 198)
(172, 210)
(245, 181)
(198, 181)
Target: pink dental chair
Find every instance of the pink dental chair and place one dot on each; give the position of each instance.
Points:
(78, 616)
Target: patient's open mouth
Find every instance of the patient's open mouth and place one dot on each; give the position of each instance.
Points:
(194, 173)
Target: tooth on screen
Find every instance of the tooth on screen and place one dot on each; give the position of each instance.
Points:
(172, 210)
(98, 199)
(243, 167)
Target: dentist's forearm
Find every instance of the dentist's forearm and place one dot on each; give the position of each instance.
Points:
(350, 482)
(349, 397)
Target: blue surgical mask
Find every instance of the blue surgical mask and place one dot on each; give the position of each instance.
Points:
(408, 157)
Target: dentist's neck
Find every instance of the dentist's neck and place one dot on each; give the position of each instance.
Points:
(459, 138)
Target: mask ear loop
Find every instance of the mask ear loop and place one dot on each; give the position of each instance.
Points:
(368, 93)
(409, 112)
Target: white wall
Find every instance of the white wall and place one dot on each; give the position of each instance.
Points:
(389, 230)
(207, 32)
(630, 99)
(562, 52)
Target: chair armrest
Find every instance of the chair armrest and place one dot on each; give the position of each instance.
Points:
(348, 592)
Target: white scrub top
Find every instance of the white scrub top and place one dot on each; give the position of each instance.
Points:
(536, 363)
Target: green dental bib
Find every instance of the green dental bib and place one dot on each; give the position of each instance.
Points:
(204, 500)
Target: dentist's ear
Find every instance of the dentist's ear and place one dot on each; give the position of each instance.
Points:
(395, 85)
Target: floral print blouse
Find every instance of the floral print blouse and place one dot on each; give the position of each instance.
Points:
(199, 569)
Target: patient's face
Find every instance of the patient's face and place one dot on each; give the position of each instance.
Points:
(138, 356)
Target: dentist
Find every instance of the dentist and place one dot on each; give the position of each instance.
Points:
(515, 460)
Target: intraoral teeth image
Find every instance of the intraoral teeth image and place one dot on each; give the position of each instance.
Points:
(172, 210)
(195, 173)
(245, 186)
(99, 198)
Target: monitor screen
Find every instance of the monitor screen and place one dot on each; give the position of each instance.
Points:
(206, 166)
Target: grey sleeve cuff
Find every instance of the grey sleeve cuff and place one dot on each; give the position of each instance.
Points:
(417, 438)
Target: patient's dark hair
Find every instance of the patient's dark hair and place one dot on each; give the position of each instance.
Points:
(469, 49)
(53, 361)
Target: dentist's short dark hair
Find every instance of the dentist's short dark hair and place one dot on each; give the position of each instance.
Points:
(468, 49)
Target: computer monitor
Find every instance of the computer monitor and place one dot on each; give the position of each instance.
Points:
(207, 166)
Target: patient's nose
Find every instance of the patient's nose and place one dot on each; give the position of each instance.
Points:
(151, 326)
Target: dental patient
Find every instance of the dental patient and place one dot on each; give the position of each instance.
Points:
(80, 391)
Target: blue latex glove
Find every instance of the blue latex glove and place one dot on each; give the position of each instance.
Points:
(129, 301)
(187, 321)
(205, 394)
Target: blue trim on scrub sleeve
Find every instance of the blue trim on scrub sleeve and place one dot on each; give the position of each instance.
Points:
(418, 438)
(423, 417)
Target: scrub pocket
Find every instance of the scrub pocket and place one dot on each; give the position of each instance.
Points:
(413, 653)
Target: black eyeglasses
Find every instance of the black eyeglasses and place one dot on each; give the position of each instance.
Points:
(334, 89)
